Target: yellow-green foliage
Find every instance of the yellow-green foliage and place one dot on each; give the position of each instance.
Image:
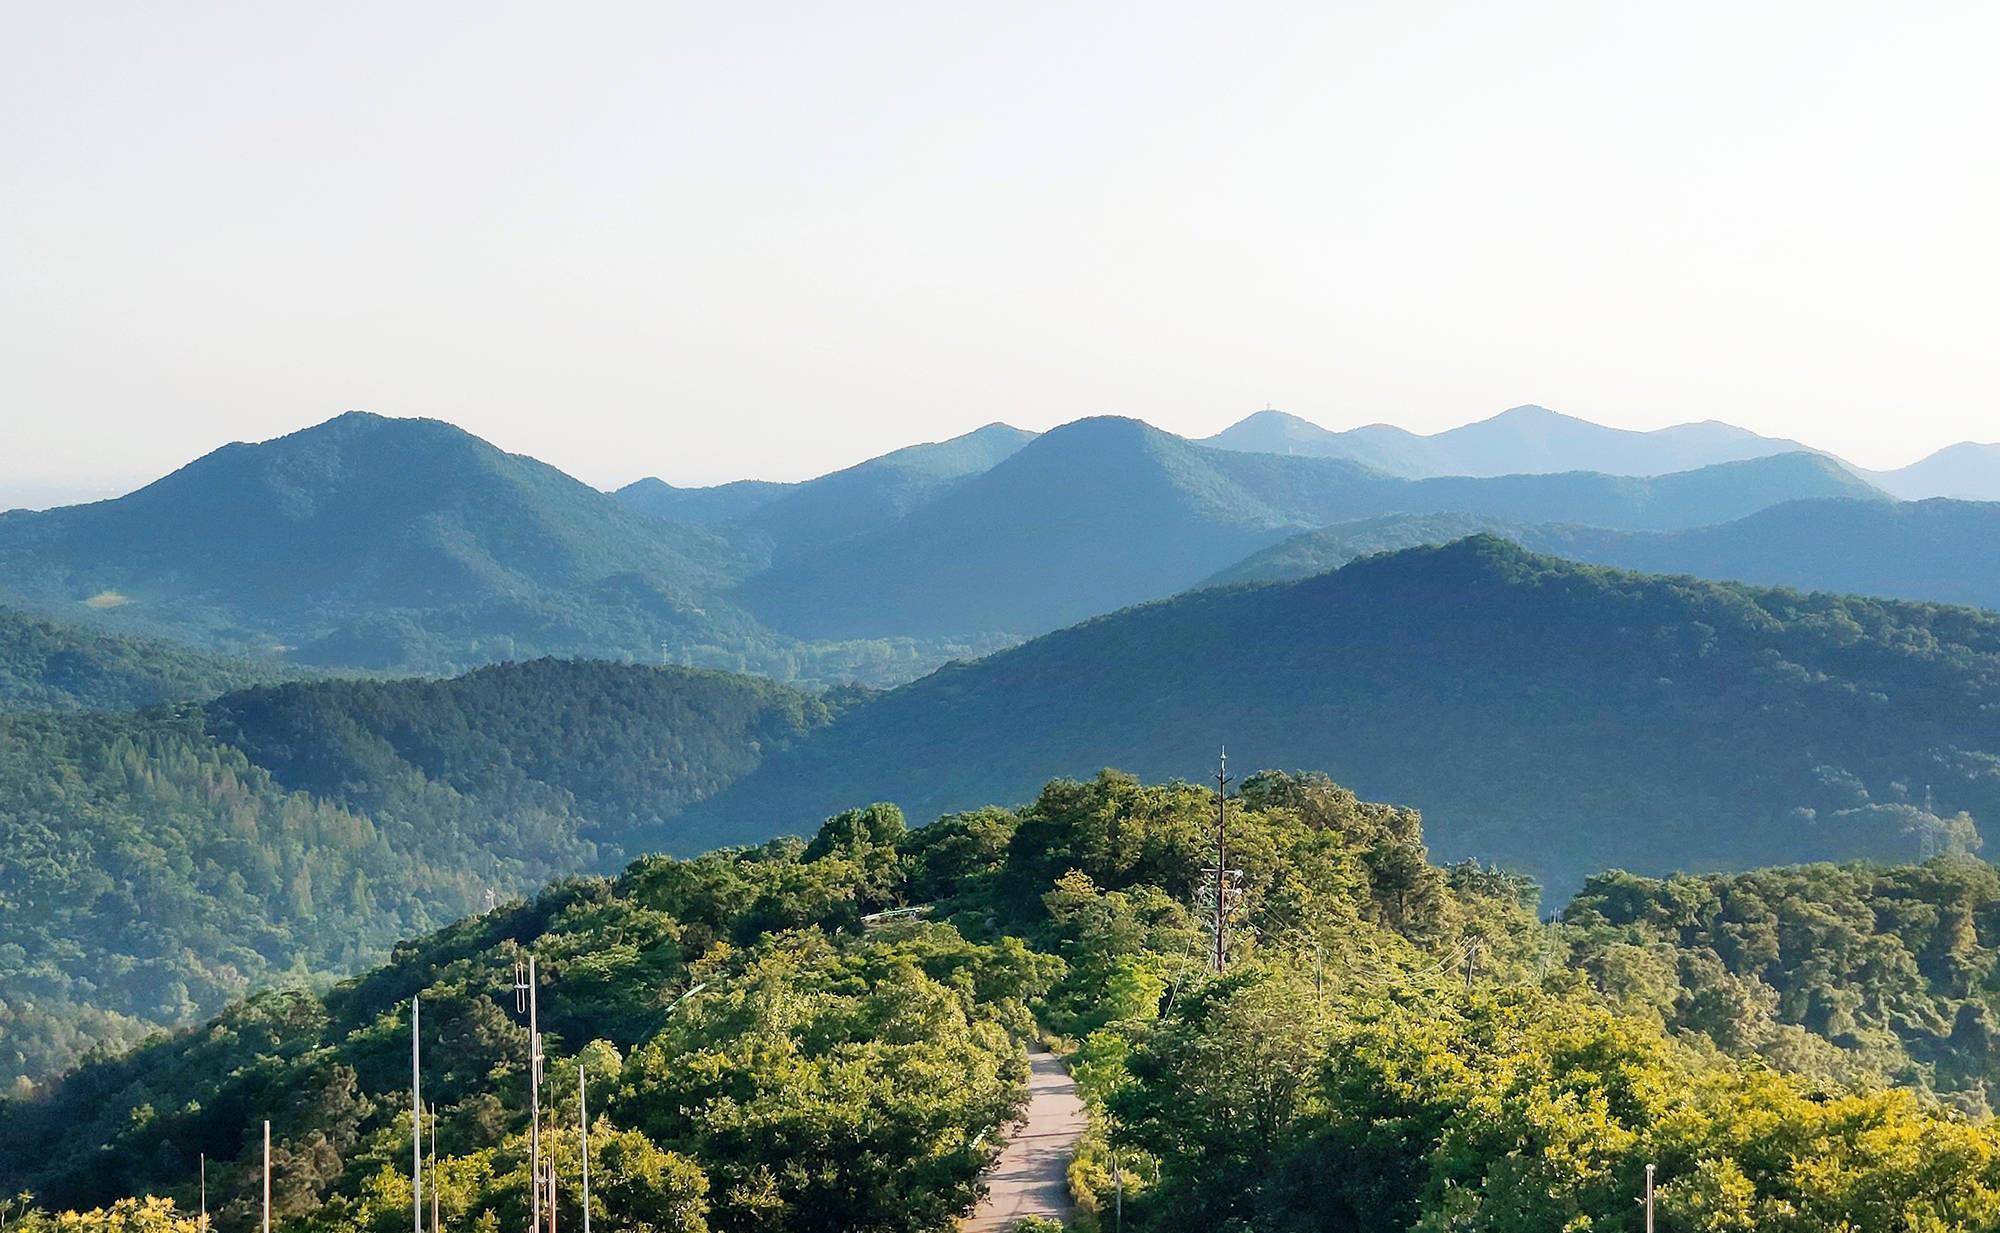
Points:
(1395, 1046)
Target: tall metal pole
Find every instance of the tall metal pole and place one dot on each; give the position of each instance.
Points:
(1118, 1177)
(204, 1192)
(1649, 1199)
(267, 1175)
(416, 1121)
(436, 1225)
(1221, 866)
(534, 1099)
(583, 1135)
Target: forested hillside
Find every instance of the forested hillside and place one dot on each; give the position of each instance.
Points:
(1900, 967)
(756, 1059)
(1946, 551)
(153, 866)
(46, 665)
(1107, 512)
(411, 546)
(1561, 719)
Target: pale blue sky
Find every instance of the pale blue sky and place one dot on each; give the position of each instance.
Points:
(706, 241)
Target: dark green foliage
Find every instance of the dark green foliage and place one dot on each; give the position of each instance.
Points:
(154, 866)
(49, 666)
(1107, 512)
(1560, 719)
(815, 1079)
(622, 748)
(1896, 966)
(151, 875)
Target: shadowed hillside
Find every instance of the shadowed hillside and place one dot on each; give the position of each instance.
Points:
(155, 865)
(1947, 551)
(1556, 717)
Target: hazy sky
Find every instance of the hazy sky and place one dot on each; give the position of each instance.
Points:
(714, 240)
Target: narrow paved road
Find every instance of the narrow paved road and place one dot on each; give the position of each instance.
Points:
(1031, 1178)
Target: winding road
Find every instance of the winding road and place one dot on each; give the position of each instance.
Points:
(1031, 1177)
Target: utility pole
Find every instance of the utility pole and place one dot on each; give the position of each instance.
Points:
(550, 1166)
(416, 1120)
(1118, 1178)
(1221, 865)
(436, 1225)
(204, 1193)
(267, 1175)
(1649, 1199)
(583, 1135)
(525, 999)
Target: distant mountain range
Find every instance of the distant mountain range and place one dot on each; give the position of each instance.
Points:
(1968, 471)
(373, 542)
(1555, 717)
(411, 546)
(1107, 512)
(1531, 440)
(1947, 551)
(1526, 440)
(840, 505)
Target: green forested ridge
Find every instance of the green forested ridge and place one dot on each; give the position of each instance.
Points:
(622, 748)
(1946, 551)
(1897, 966)
(410, 546)
(1396, 1046)
(48, 665)
(1107, 512)
(1559, 718)
(153, 866)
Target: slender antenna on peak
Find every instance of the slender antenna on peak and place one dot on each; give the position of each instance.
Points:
(583, 1136)
(436, 1225)
(1221, 864)
(416, 1120)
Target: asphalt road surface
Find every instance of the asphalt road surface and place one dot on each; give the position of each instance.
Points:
(1031, 1178)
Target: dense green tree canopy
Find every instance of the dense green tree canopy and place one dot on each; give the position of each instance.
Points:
(760, 1057)
(155, 866)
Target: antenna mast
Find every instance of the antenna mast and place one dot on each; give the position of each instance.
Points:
(1221, 866)
(524, 999)
(583, 1134)
(416, 1121)
(436, 1227)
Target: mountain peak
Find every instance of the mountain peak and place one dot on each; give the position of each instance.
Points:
(1530, 411)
